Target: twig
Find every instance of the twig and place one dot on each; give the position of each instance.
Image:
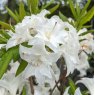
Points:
(31, 85)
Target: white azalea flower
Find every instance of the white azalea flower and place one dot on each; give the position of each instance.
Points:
(55, 32)
(3, 91)
(18, 38)
(25, 30)
(70, 50)
(88, 43)
(43, 86)
(33, 22)
(84, 64)
(89, 83)
(11, 83)
(40, 60)
(38, 54)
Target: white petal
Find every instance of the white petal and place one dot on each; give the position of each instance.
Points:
(66, 91)
(77, 92)
(89, 83)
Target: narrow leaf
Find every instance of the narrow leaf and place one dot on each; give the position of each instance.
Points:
(72, 8)
(12, 14)
(3, 40)
(89, 31)
(54, 8)
(22, 66)
(24, 91)
(16, 55)
(5, 25)
(4, 34)
(72, 86)
(85, 7)
(63, 17)
(87, 17)
(2, 52)
(6, 59)
(48, 4)
(22, 11)
(4, 62)
(33, 6)
(78, 9)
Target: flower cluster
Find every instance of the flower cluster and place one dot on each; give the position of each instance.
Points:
(42, 42)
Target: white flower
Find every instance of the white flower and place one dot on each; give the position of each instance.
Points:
(11, 83)
(3, 91)
(55, 32)
(33, 22)
(38, 53)
(88, 41)
(40, 60)
(25, 30)
(84, 64)
(70, 50)
(18, 38)
(89, 83)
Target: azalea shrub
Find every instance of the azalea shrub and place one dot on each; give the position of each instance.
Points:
(46, 54)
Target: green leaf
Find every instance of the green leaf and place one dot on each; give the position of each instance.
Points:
(5, 25)
(26, 45)
(87, 17)
(4, 62)
(85, 92)
(89, 31)
(54, 8)
(6, 59)
(16, 55)
(4, 34)
(78, 10)
(47, 5)
(3, 40)
(22, 11)
(24, 91)
(63, 17)
(2, 52)
(72, 86)
(12, 15)
(85, 7)
(87, 26)
(72, 8)
(17, 14)
(33, 6)
(22, 66)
